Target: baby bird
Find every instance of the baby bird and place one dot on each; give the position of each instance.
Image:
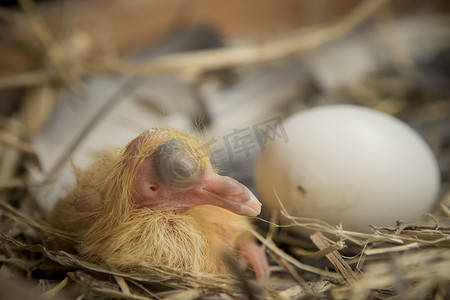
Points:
(159, 202)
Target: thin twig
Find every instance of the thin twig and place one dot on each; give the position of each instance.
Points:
(391, 249)
(52, 48)
(20, 216)
(295, 276)
(12, 140)
(339, 264)
(194, 63)
(27, 79)
(129, 84)
(272, 247)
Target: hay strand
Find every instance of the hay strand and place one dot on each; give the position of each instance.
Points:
(339, 264)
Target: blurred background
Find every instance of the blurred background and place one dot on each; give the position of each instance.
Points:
(79, 76)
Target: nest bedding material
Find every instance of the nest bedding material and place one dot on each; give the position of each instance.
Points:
(410, 260)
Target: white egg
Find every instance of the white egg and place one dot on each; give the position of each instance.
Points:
(351, 165)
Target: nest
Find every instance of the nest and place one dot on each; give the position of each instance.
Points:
(409, 261)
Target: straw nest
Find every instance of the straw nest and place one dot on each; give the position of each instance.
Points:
(407, 261)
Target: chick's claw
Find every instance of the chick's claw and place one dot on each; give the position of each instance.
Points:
(254, 256)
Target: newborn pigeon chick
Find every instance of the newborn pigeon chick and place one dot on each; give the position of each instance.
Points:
(159, 202)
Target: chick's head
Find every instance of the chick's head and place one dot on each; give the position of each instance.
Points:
(173, 172)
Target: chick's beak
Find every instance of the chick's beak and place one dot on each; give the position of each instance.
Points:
(227, 193)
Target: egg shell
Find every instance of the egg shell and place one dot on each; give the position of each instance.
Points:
(351, 165)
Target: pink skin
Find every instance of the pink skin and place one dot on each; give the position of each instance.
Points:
(252, 254)
(210, 189)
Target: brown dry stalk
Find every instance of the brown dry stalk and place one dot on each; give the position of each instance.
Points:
(26, 79)
(317, 254)
(295, 276)
(20, 216)
(191, 64)
(52, 292)
(12, 140)
(334, 257)
(277, 251)
(53, 50)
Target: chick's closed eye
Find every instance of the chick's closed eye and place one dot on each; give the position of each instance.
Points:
(174, 166)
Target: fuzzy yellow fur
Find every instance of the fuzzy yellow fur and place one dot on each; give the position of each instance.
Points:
(111, 230)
